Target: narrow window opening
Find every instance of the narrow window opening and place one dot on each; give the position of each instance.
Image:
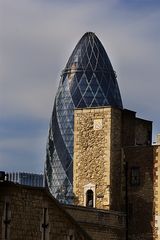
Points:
(135, 176)
(89, 198)
(6, 221)
(45, 224)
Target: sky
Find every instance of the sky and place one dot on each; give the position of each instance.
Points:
(36, 39)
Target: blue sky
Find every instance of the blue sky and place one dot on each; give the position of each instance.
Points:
(36, 40)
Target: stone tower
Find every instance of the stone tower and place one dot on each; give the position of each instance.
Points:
(97, 157)
(112, 148)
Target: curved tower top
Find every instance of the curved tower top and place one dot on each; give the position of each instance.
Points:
(95, 77)
(88, 80)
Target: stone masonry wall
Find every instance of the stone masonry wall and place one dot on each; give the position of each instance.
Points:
(140, 195)
(128, 128)
(99, 224)
(33, 212)
(92, 130)
(116, 161)
(98, 156)
(143, 132)
(157, 191)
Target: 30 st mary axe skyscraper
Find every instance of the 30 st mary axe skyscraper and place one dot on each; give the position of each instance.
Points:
(88, 80)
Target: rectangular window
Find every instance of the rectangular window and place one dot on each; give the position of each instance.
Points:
(135, 176)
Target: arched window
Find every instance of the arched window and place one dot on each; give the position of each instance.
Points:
(90, 195)
(89, 198)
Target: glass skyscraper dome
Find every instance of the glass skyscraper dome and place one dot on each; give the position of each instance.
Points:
(88, 80)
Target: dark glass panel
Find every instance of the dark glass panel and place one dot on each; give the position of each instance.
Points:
(81, 104)
(100, 101)
(89, 67)
(95, 51)
(83, 84)
(101, 62)
(99, 76)
(93, 62)
(88, 100)
(89, 50)
(76, 97)
(79, 75)
(99, 94)
(88, 93)
(94, 103)
(89, 75)
(94, 85)
(85, 61)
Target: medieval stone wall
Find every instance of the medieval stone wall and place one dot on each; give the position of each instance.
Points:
(116, 161)
(98, 156)
(92, 143)
(103, 158)
(33, 214)
(99, 224)
(143, 132)
(128, 128)
(157, 192)
(139, 192)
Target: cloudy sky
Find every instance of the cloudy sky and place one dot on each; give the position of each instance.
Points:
(36, 40)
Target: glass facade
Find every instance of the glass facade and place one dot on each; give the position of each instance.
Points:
(88, 80)
(30, 179)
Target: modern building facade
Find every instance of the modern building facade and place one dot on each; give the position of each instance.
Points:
(88, 80)
(30, 179)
